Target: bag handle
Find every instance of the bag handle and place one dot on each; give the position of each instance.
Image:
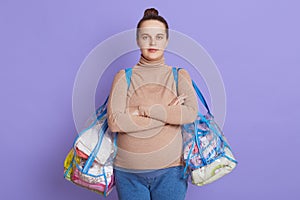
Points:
(104, 127)
(128, 72)
(199, 94)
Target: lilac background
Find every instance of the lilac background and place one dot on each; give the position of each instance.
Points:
(255, 45)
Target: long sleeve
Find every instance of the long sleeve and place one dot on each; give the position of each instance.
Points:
(119, 117)
(177, 114)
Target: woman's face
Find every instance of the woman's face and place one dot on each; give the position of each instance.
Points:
(152, 39)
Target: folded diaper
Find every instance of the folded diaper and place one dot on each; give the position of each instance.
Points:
(88, 141)
(95, 171)
(214, 171)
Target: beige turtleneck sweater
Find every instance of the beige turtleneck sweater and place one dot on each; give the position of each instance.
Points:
(153, 140)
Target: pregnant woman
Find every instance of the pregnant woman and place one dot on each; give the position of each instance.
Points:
(148, 117)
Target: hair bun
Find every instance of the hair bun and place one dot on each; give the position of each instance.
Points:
(150, 11)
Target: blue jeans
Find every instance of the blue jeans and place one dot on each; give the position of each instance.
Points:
(160, 185)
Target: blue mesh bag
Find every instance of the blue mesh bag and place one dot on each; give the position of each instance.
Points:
(206, 152)
(89, 163)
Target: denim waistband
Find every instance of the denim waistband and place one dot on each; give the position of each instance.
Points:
(146, 173)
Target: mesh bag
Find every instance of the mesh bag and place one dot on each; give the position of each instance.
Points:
(90, 162)
(206, 152)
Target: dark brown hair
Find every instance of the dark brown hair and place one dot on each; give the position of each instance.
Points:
(152, 13)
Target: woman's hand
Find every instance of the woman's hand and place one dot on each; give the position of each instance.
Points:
(178, 100)
(141, 111)
(135, 112)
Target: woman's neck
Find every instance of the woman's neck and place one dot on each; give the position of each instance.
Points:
(146, 63)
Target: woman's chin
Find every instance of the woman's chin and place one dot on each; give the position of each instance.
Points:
(153, 56)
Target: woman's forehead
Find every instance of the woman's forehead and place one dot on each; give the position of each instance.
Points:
(152, 30)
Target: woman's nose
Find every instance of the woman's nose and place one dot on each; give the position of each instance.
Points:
(152, 41)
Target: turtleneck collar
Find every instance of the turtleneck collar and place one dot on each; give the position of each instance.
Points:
(145, 63)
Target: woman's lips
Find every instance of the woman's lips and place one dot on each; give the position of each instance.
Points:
(152, 50)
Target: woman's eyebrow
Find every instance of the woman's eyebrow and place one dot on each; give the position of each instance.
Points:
(149, 34)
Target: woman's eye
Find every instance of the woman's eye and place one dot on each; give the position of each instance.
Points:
(159, 37)
(145, 37)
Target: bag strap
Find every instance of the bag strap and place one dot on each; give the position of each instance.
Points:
(95, 151)
(103, 129)
(199, 94)
(128, 72)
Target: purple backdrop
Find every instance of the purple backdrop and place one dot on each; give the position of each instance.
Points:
(255, 45)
